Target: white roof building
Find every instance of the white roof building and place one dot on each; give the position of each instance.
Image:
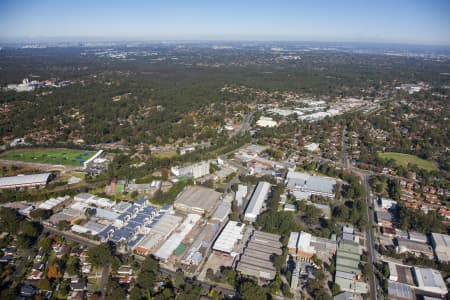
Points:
(52, 202)
(222, 212)
(240, 194)
(318, 185)
(166, 250)
(388, 203)
(441, 245)
(257, 201)
(430, 280)
(230, 235)
(24, 181)
(266, 122)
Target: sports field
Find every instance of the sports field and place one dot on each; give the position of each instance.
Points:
(49, 156)
(405, 159)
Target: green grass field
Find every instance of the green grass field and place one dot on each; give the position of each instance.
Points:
(405, 159)
(49, 156)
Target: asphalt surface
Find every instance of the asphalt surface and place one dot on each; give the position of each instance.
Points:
(72, 237)
(370, 238)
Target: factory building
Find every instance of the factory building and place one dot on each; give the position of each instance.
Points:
(25, 181)
(305, 245)
(198, 200)
(415, 248)
(230, 236)
(259, 196)
(308, 184)
(429, 280)
(256, 259)
(441, 246)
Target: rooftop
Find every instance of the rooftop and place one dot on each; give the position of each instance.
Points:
(399, 290)
(197, 197)
(41, 178)
(229, 236)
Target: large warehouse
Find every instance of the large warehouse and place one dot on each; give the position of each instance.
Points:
(256, 260)
(257, 200)
(232, 233)
(25, 181)
(197, 199)
(310, 185)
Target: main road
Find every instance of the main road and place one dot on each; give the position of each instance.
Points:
(370, 237)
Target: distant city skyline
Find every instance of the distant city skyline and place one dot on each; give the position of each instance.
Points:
(402, 21)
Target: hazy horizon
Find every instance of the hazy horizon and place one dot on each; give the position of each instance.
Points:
(379, 22)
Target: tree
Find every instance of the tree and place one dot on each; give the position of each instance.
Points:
(248, 290)
(44, 284)
(89, 212)
(45, 243)
(179, 279)
(335, 289)
(30, 229)
(114, 291)
(9, 218)
(72, 265)
(40, 214)
(100, 255)
(63, 225)
(53, 272)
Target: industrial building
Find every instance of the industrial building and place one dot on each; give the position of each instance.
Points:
(240, 194)
(197, 199)
(256, 259)
(441, 246)
(162, 226)
(169, 246)
(429, 280)
(230, 236)
(347, 268)
(25, 181)
(310, 184)
(94, 200)
(415, 248)
(384, 218)
(417, 237)
(222, 212)
(259, 196)
(399, 291)
(305, 245)
(53, 202)
(91, 227)
(196, 170)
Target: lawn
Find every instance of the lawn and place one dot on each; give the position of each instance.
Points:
(405, 159)
(49, 156)
(170, 154)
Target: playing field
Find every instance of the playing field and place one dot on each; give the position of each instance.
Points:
(49, 156)
(405, 159)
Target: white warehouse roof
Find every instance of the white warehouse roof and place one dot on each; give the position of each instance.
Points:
(229, 236)
(19, 180)
(257, 201)
(430, 280)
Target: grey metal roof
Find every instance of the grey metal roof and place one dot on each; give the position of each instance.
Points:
(257, 199)
(24, 179)
(198, 197)
(399, 290)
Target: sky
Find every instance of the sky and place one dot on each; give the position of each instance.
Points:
(379, 21)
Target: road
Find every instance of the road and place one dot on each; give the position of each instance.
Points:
(245, 126)
(72, 237)
(369, 213)
(104, 281)
(370, 237)
(344, 147)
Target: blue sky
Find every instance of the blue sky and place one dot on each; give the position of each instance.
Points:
(393, 21)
